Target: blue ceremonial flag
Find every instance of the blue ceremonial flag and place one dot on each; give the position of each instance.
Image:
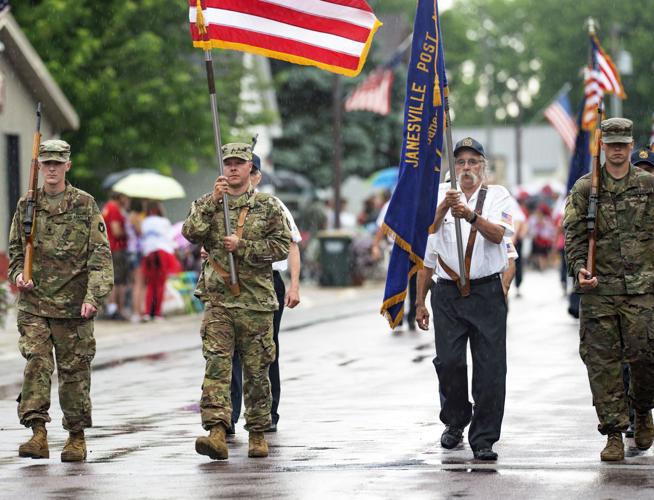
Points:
(580, 162)
(410, 216)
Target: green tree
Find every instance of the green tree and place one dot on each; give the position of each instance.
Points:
(543, 44)
(130, 71)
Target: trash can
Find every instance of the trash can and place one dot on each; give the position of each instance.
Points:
(335, 258)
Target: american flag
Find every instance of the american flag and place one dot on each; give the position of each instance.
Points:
(601, 77)
(651, 135)
(373, 94)
(334, 35)
(558, 113)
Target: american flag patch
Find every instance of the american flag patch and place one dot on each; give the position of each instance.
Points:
(507, 218)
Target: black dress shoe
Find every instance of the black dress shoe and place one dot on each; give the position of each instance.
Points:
(451, 437)
(485, 454)
(231, 430)
(272, 428)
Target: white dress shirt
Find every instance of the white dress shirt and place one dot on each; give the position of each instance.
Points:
(487, 257)
(296, 237)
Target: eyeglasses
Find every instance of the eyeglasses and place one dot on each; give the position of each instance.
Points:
(473, 162)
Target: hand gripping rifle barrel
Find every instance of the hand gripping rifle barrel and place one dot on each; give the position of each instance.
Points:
(593, 198)
(29, 223)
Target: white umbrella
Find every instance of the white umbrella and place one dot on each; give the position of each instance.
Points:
(149, 185)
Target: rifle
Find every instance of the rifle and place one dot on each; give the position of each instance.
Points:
(593, 198)
(29, 222)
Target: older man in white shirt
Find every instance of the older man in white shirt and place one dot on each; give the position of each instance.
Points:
(476, 312)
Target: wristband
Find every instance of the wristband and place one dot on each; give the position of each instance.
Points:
(473, 219)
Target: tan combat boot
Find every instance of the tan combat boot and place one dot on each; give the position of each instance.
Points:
(75, 448)
(614, 449)
(258, 447)
(37, 446)
(644, 434)
(214, 445)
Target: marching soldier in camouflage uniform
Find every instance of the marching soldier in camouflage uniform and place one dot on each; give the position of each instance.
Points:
(616, 304)
(72, 273)
(232, 319)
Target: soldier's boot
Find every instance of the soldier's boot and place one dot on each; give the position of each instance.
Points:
(257, 446)
(614, 449)
(37, 446)
(75, 448)
(644, 432)
(214, 445)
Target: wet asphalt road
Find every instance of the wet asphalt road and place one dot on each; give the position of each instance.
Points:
(359, 416)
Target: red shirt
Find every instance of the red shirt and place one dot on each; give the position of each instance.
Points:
(112, 213)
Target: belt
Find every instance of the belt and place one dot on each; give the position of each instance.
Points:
(478, 281)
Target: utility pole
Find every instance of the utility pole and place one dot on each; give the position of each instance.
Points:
(337, 122)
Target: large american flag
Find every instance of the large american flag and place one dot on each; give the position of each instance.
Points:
(373, 94)
(559, 114)
(334, 35)
(601, 77)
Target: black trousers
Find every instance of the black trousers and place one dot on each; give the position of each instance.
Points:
(236, 388)
(480, 318)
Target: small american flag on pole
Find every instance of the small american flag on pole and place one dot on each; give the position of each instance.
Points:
(559, 114)
(373, 94)
(334, 35)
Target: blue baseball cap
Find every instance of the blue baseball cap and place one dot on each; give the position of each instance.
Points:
(642, 155)
(469, 143)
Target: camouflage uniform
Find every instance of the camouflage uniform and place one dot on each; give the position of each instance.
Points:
(616, 316)
(242, 322)
(71, 266)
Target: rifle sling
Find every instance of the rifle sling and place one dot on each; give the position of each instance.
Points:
(465, 290)
(235, 288)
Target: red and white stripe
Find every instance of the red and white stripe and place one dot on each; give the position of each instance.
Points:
(563, 123)
(594, 93)
(373, 94)
(332, 34)
(608, 76)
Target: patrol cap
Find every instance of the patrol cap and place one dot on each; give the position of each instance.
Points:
(240, 150)
(469, 143)
(54, 150)
(256, 163)
(617, 130)
(641, 156)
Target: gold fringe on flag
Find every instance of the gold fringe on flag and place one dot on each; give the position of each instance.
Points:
(199, 19)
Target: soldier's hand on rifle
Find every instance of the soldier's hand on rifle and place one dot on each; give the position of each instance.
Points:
(231, 242)
(204, 255)
(586, 280)
(21, 285)
(422, 317)
(220, 188)
(88, 310)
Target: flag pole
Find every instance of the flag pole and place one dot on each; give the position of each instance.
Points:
(208, 59)
(457, 221)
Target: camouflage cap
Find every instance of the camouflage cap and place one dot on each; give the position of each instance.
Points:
(240, 150)
(54, 150)
(642, 156)
(617, 130)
